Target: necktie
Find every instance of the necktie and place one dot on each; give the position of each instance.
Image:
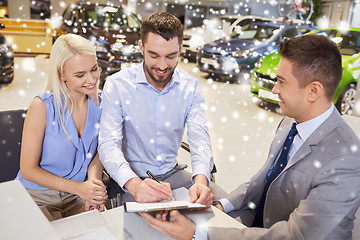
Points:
(273, 173)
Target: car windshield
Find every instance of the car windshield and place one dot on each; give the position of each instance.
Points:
(257, 32)
(219, 22)
(348, 42)
(110, 17)
(228, 20)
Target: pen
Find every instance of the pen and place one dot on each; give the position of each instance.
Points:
(152, 176)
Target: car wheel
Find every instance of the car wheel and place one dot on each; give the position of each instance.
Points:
(345, 102)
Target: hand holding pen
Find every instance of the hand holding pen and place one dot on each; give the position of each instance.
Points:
(148, 190)
(152, 176)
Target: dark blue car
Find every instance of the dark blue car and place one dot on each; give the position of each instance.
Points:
(6, 61)
(231, 57)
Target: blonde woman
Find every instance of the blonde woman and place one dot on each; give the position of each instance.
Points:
(59, 164)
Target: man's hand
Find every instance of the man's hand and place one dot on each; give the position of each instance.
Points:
(200, 192)
(148, 190)
(181, 228)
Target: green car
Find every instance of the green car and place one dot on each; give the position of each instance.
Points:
(264, 78)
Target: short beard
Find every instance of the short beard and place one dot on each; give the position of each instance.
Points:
(158, 80)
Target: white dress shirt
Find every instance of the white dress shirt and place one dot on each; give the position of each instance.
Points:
(141, 128)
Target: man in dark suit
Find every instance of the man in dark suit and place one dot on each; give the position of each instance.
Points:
(309, 187)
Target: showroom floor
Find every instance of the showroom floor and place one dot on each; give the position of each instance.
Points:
(240, 130)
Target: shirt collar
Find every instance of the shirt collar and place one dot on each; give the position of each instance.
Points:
(140, 77)
(305, 129)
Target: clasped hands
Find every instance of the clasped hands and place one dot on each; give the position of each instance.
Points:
(94, 193)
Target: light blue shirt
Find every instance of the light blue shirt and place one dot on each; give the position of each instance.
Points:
(304, 129)
(64, 158)
(141, 128)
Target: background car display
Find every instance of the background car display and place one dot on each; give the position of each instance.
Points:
(216, 28)
(6, 61)
(231, 57)
(115, 31)
(264, 75)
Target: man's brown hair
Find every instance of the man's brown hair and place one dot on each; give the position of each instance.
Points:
(165, 24)
(315, 58)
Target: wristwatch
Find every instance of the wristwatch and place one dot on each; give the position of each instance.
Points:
(216, 203)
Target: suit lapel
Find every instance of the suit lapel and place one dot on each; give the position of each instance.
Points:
(278, 142)
(258, 181)
(315, 138)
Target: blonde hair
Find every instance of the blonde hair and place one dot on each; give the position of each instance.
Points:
(65, 47)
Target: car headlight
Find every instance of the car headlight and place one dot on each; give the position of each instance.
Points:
(129, 49)
(5, 48)
(187, 37)
(259, 62)
(242, 53)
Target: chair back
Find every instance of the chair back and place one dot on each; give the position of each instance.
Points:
(354, 123)
(11, 125)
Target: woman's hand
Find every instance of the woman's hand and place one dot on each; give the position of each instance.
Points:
(90, 206)
(92, 191)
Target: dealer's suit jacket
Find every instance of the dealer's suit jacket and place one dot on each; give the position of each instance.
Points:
(314, 197)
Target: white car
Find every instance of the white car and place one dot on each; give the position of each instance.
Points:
(214, 29)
